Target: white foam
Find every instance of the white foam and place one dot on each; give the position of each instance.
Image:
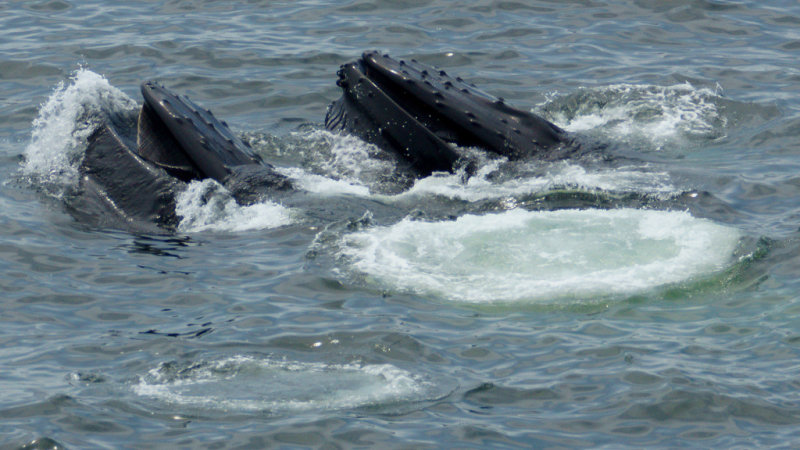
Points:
(337, 164)
(323, 185)
(658, 115)
(541, 256)
(350, 158)
(557, 175)
(249, 384)
(207, 206)
(344, 165)
(482, 186)
(64, 123)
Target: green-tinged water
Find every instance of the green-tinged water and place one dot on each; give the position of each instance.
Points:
(647, 299)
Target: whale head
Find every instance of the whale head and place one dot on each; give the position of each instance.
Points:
(423, 114)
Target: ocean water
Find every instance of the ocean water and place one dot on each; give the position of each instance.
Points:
(646, 295)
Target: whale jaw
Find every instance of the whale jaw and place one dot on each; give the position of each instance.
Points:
(424, 115)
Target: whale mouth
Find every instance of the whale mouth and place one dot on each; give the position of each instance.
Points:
(424, 115)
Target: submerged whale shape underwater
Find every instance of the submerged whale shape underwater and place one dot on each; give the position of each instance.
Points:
(133, 167)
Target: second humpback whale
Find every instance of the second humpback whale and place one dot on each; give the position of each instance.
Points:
(424, 115)
(134, 166)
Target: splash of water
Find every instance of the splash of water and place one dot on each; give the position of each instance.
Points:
(207, 206)
(65, 121)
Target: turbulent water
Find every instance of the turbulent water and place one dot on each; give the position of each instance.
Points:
(645, 294)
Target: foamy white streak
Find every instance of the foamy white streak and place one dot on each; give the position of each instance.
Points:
(323, 185)
(543, 256)
(559, 175)
(481, 187)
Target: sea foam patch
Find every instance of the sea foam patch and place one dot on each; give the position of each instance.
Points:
(207, 206)
(540, 256)
(251, 384)
(656, 116)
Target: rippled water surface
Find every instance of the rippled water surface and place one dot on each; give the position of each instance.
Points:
(643, 295)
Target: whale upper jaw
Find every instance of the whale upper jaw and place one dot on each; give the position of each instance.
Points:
(424, 115)
(176, 133)
(134, 167)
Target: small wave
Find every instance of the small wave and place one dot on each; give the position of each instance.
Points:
(207, 206)
(250, 384)
(349, 158)
(651, 116)
(323, 185)
(335, 164)
(65, 121)
(541, 256)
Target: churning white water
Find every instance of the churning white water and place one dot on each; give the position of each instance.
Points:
(207, 206)
(538, 256)
(64, 122)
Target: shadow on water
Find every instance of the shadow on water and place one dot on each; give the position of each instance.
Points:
(166, 246)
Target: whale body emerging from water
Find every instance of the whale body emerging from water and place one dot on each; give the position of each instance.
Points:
(424, 115)
(134, 166)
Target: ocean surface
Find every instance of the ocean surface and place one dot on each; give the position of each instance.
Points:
(644, 296)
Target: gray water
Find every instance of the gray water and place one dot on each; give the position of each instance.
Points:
(662, 312)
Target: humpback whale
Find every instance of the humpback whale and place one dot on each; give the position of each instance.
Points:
(135, 165)
(424, 115)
